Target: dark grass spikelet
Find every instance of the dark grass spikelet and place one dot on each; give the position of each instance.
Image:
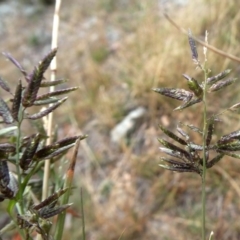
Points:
(36, 78)
(175, 148)
(53, 83)
(222, 84)
(29, 152)
(188, 104)
(58, 151)
(4, 174)
(218, 77)
(50, 199)
(209, 133)
(183, 133)
(46, 101)
(56, 93)
(7, 147)
(173, 153)
(47, 111)
(175, 93)
(69, 140)
(234, 155)
(192, 46)
(215, 160)
(194, 86)
(235, 108)
(192, 127)
(4, 85)
(231, 145)
(229, 137)
(172, 135)
(5, 112)
(46, 212)
(16, 63)
(16, 103)
(179, 166)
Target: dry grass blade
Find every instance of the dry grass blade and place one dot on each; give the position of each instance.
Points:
(67, 184)
(216, 50)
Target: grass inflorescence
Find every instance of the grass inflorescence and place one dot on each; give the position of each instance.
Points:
(27, 153)
(190, 156)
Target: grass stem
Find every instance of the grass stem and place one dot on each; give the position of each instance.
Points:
(205, 125)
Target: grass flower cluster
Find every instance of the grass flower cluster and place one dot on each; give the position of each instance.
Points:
(28, 152)
(192, 157)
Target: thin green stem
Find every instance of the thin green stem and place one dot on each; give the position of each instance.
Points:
(205, 123)
(19, 175)
(83, 217)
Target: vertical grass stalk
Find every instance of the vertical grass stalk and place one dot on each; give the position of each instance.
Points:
(53, 67)
(205, 123)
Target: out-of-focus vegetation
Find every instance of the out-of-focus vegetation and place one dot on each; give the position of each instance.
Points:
(116, 51)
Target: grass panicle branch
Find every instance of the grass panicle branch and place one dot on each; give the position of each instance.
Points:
(192, 157)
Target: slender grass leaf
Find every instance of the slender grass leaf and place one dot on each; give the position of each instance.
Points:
(7, 130)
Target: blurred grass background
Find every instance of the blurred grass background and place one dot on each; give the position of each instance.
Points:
(116, 51)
